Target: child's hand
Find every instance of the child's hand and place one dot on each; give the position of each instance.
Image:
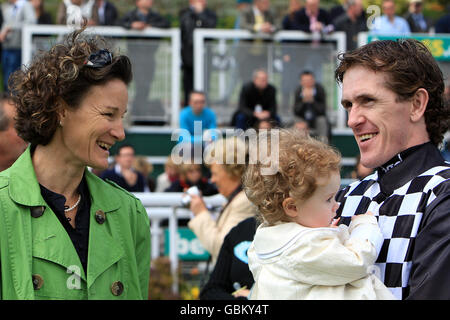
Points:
(368, 213)
(334, 223)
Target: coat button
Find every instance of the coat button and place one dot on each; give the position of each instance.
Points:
(38, 211)
(38, 282)
(117, 288)
(100, 216)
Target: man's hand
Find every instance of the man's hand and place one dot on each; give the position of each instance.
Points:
(267, 27)
(197, 205)
(138, 25)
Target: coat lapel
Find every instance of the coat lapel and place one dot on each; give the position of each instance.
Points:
(50, 240)
(104, 249)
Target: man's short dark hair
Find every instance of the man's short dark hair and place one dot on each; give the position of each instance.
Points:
(409, 66)
(196, 92)
(125, 145)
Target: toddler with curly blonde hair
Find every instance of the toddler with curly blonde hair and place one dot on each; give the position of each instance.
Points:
(298, 251)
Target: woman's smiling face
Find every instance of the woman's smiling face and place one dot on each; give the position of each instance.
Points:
(90, 130)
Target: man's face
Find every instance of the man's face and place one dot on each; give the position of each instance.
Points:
(312, 5)
(416, 7)
(389, 8)
(260, 80)
(380, 122)
(125, 157)
(144, 4)
(307, 81)
(197, 102)
(357, 8)
(262, 5)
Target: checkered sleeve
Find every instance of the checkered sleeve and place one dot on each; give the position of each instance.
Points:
(430, 276)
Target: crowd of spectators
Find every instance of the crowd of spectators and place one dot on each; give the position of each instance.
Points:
(257, 107)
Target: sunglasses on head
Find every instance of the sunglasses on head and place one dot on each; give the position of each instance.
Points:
(99, 59)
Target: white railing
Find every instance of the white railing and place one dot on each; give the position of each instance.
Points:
(162, 206)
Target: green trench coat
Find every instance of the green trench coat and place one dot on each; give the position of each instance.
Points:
(38, 259)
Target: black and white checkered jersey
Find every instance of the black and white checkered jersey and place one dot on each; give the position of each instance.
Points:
(410, 196)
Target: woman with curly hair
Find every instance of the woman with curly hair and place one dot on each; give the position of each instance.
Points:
(298, 252)
(65, 233)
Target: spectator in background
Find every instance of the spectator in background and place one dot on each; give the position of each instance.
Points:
(288, 22)
(16, 13)
(338, 10)
(197, 111)
(252, 54)
(42, 16)
(170, 174)
(123, 172)
(290, 50)
(191, 175)
(74, 12)
(360, 171)
(226, 173)
(389, 23)
(301, 125)
(257, 101)
(415, 18)
(310, 105)
(258, 17)
(313, 19)
(142, 56)
(104, 13)
(231, 278)
(241, 5)
(11, 145)
(142, 165)
(352, 21)
(443, 24)
(197, 15)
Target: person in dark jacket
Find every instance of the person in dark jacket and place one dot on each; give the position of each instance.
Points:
(415, 18)
(42, 16)
(104, 13)
(197, 15)
(398, 116)
(443, 24)
(310, 105)
(257, 101)
(123, 172)
(231, 278)
(312, 18)
(191, 175)
(352, 22)
(142, 55)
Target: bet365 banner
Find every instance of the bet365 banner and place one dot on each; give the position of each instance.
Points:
(438, 45)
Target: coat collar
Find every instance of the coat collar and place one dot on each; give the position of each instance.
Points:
(49, 239)
(24, 187)
(407, 165)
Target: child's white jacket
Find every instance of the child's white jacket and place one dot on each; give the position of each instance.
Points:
(289, 261)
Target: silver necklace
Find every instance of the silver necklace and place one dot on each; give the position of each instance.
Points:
(75, 205)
